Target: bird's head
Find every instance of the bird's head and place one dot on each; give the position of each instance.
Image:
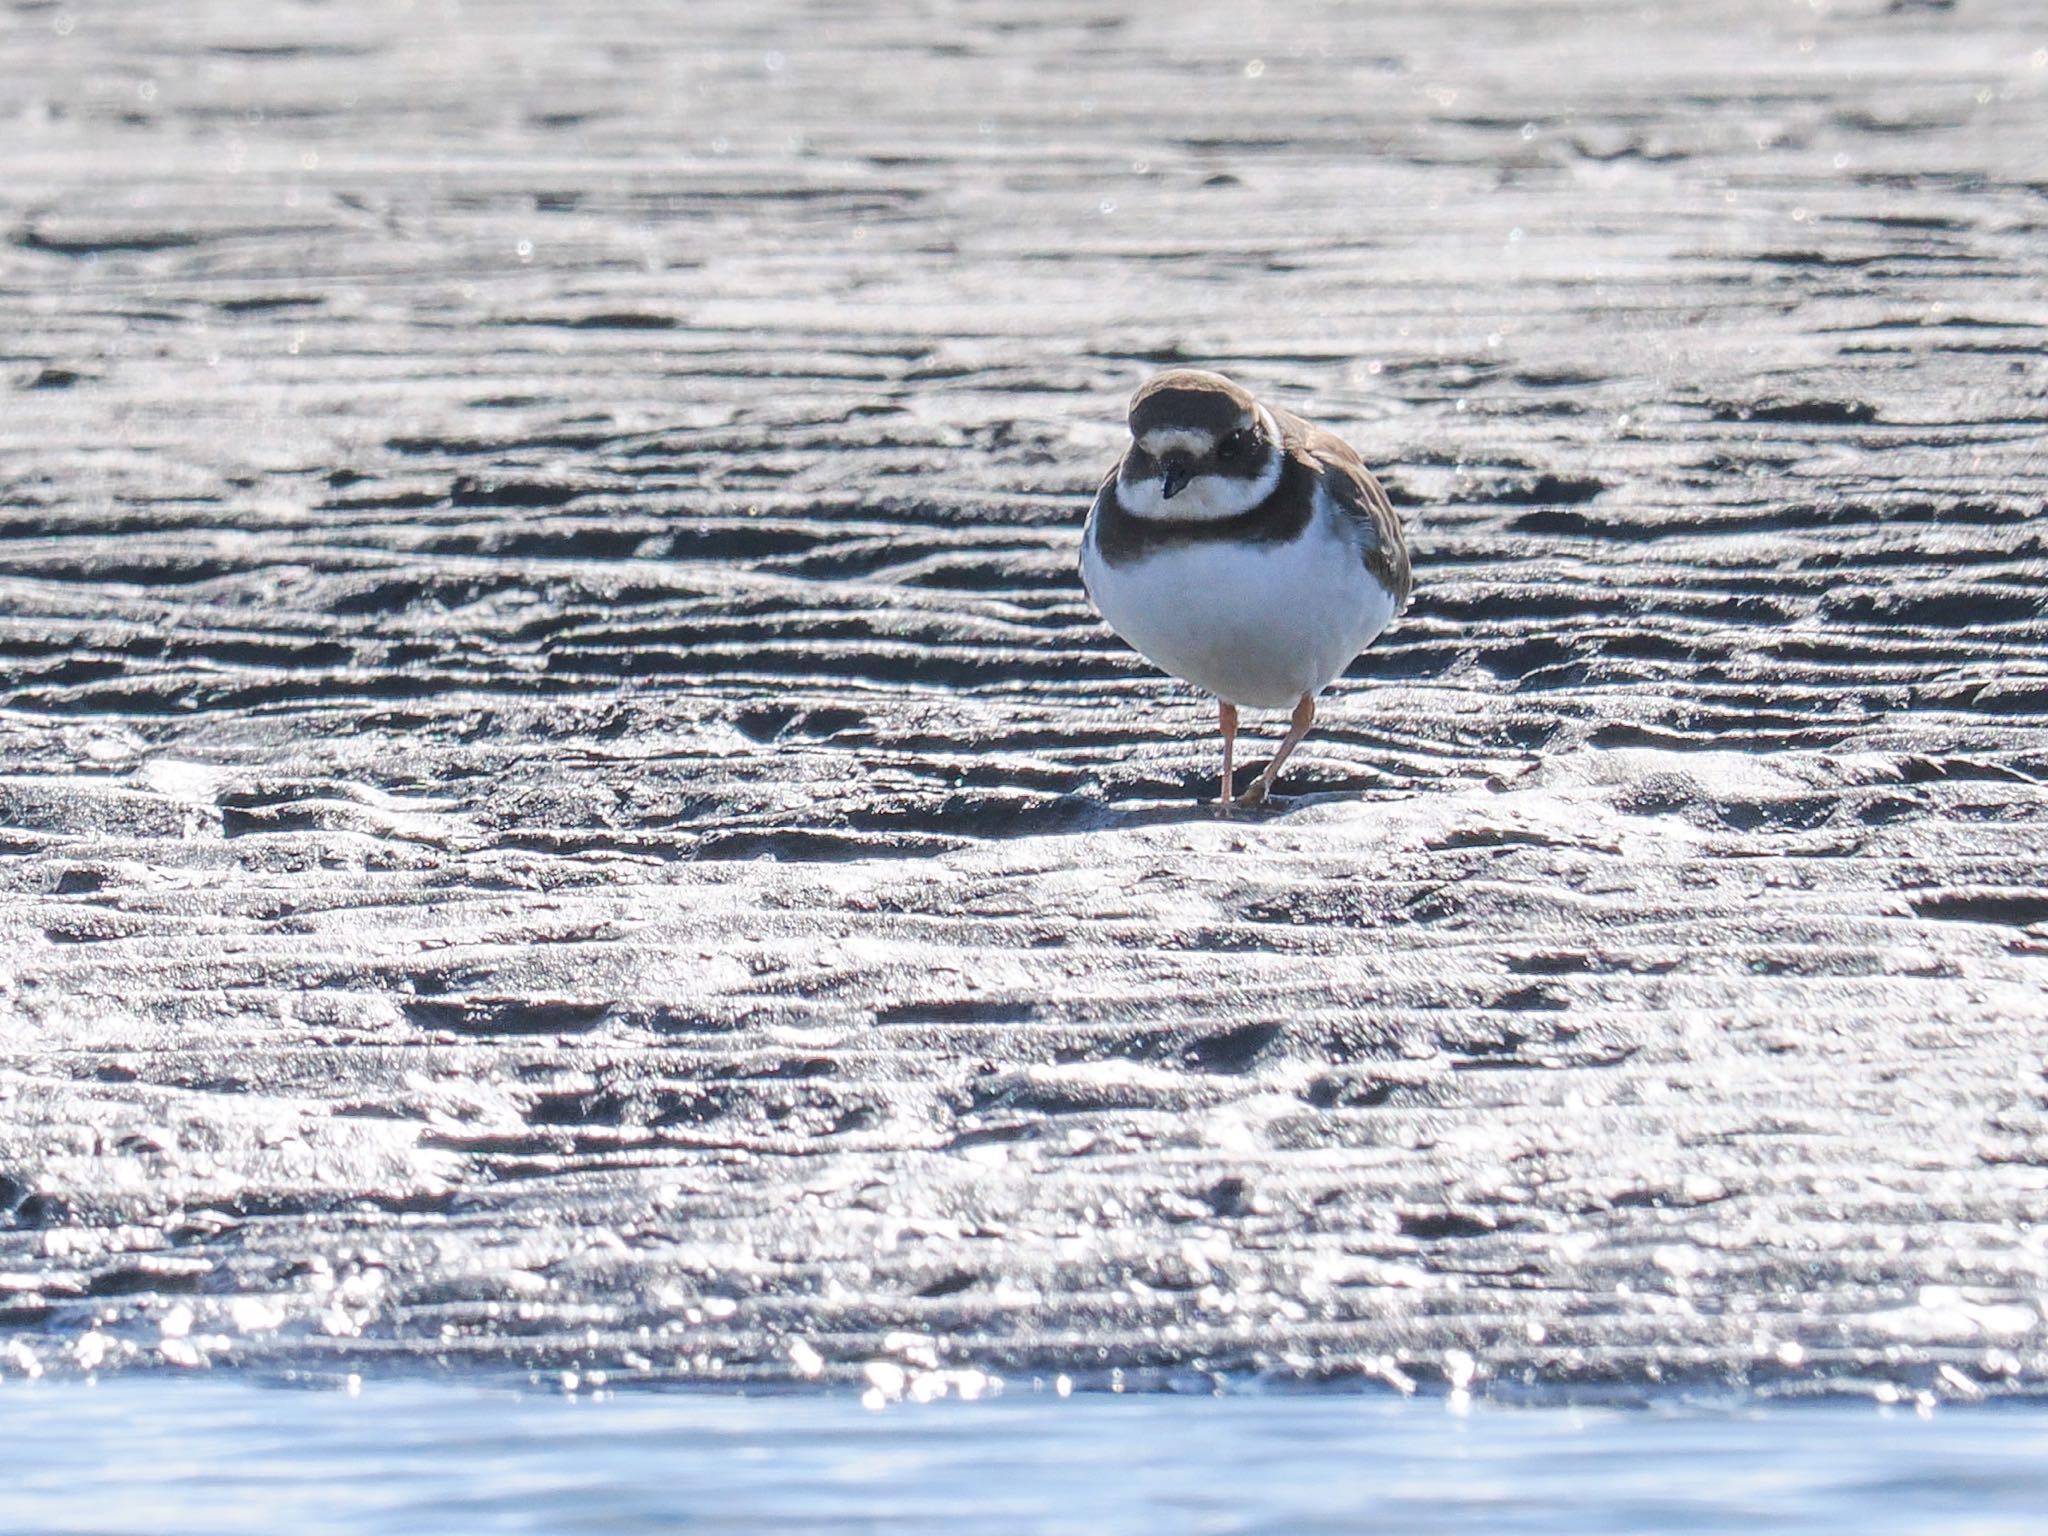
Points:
(1201, 448)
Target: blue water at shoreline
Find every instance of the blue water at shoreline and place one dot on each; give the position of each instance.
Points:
(228, 1455)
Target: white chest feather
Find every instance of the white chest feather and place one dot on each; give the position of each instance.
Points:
(1257, 625)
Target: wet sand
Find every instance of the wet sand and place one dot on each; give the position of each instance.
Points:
(562, 806)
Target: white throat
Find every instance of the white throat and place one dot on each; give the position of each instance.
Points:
(1206, 498)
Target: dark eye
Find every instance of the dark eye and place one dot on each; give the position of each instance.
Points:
(1235, 446)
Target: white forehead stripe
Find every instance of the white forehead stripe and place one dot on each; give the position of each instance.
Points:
(1164, 440)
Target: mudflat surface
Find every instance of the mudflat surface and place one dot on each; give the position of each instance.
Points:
(561, 804)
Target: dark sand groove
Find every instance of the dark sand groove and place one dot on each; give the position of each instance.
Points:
(561, 804)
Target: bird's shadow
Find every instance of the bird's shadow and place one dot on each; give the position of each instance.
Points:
(1115, 814)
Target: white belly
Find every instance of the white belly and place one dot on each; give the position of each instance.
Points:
(1258, 627)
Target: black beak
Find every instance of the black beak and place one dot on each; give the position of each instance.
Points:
(1174, 474)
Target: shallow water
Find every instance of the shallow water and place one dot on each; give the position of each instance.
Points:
(227, 1456)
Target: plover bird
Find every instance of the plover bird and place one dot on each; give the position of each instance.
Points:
(1244, 550)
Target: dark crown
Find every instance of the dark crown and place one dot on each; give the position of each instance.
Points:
(1190, 398)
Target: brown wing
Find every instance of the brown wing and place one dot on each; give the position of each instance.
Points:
(1359, 496)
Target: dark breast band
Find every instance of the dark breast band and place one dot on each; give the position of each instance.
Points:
(1123, 539)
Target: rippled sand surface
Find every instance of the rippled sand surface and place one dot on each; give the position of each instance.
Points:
(561, 804)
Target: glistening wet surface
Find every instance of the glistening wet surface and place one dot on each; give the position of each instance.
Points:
(216, 1457)
(562, 807)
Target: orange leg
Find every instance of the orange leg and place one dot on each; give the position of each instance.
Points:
(1226, 720)
(1304, 717)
